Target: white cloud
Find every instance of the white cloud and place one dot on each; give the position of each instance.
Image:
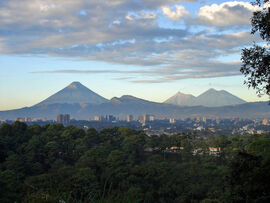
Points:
(141, 15)
(125, 32)
(232, 13)
(267, 46)
(189, 57)
(116, 22)
(179, 12)
(129, 17)
(267, 4)
(148, 16)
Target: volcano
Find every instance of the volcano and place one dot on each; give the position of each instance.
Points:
(75, 93)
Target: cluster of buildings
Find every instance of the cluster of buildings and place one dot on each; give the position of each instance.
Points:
(205, 126)
(129, 118)
(105, 118)
(153, 126)
(65, 118)
(27, 119)
(214, 151)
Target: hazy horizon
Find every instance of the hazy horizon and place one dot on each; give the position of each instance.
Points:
(133, 95)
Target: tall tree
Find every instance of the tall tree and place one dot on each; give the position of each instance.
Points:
(256, 60)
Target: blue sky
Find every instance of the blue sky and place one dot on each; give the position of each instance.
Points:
(150, 49)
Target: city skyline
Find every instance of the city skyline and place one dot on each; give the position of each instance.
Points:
(148, 49)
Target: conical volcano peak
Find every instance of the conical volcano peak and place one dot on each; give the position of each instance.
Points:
(180, 99)
(74, 93)
(74, 85)
(214, 98)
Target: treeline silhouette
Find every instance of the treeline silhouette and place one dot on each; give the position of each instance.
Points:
(53, 163)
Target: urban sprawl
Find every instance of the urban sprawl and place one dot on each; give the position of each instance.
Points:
(153, 126)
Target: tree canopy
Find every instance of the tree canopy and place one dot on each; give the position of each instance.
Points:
(256, 59)
(53, 163)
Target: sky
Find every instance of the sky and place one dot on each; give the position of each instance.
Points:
(150, 49)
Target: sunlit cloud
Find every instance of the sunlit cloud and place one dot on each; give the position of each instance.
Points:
(179, 12)
(128, 32)
(232, 13)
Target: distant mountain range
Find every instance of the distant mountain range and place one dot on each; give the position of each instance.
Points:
(82, 103)
(210, 98)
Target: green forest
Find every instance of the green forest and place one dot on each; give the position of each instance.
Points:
(53, 163)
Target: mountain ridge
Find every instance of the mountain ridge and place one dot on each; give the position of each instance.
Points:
(127, 104)
(254, 110)
(209, 98)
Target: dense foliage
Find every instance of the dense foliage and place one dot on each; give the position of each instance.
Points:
(54, 163)
(256, 59)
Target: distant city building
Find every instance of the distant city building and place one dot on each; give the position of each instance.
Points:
(265, 121)
(26, 119)
(130, 118)
(256, 121)
(236, 120)
(20, 119)
(98, 118)
(200, 128)
(104, 118)
(212, 130)
(63, 118)
(141, 119)
(151, 118)
(214, 151)
(146, 118)
(172, 120)
(204, 119)
(39, 119)
(110, 118)
(245, 127)
(260, 132)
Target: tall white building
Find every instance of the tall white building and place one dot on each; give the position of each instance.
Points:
(63, 118)
(130, 118)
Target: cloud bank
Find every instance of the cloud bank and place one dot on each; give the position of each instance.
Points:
(131, 32)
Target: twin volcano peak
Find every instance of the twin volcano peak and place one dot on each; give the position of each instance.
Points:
(210, 98)
(74, 93)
